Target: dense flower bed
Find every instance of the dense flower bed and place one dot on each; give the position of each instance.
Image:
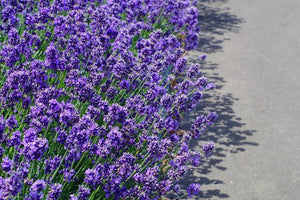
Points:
(92, 95)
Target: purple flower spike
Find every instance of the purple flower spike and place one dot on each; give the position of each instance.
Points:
(12, 122)
(210, 86)
(195, 160)
(202, 57)
(208, 148)
(211, 118)
(6, 164)
(35, 190)
(193, 189)
(124, 84)
(15, 139)
(54, 192)
(83, 193)
(93, 97)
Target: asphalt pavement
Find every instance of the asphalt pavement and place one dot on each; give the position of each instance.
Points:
(253, 56)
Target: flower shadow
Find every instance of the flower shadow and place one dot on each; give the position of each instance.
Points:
(229, 133)
(215, 22)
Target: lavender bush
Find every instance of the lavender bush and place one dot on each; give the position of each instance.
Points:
(92, 95)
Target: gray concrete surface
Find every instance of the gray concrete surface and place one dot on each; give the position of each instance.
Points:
(253, 49)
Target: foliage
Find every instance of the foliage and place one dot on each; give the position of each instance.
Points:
(92, 95)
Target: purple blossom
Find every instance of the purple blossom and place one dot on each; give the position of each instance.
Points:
(30, 135)
(6, 164)
(73, 197)
(181, 101)
(55, 191)
(193, 189)
(211, 117)
(68, 174)
(54, 109)
(83, 193)
(210, 86)
(115, 137)
(35, 149)
(14, 183)
(125, 164)
(199, 125)
(166, 101)
(92, 177)
(92, 83)
(195, 159)
(13, 37)
(208, 148)
(52, 164)
(193, 71)
(11, 122)
(124, 84)
(202, 57)
(26, 102)
(15, 139)
(36, 190)
(52, 60)
(201, 82)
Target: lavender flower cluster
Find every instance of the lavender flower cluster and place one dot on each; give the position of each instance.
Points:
(92, 93)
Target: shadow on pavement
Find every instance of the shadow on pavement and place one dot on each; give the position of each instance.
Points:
(229, 132)
(214, 22)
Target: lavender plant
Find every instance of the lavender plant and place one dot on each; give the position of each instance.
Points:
(92, 96)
